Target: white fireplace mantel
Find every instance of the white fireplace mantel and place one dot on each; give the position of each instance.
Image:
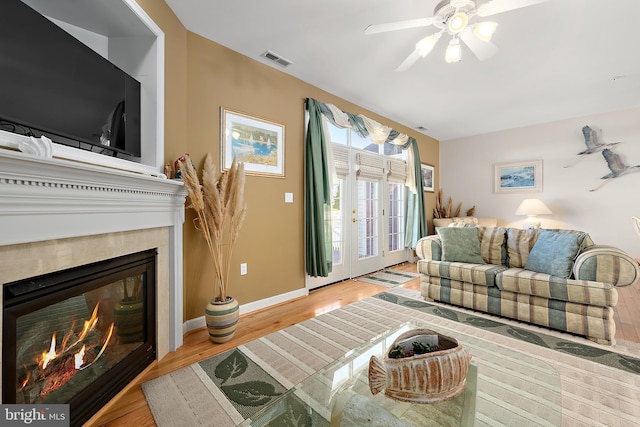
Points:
(46, 199)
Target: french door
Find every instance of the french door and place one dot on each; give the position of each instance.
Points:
(367, 216)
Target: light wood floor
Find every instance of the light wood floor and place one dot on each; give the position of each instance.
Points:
(130, 408)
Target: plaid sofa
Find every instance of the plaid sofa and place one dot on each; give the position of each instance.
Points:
(581, 303)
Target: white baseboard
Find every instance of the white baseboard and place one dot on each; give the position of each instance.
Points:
(199, 322)
(193, 324)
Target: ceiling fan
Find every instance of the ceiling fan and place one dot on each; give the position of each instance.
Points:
(455, 17)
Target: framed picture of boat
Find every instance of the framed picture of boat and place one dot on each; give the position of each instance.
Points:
(518, 177)
(256, 142)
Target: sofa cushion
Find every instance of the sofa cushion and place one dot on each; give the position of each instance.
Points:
(528, 282)
(464, 220)
(554, 253)
(460, 244)
(479, 274)
(521, 241)
(444, 222)
(493, 247)
(519, 244)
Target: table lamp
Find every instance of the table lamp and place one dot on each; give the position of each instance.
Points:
(532, 208)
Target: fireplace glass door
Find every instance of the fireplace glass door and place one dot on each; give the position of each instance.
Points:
(82, 332)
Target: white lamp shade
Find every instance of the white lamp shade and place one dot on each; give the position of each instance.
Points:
(425, 45)
(484, 30)
(453, 52)
(457, 22)
(533, 207)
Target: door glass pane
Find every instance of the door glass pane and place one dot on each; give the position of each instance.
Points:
(367, 219)
(396, 216)
(337, 211)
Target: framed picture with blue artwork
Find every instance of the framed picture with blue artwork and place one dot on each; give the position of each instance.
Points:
(518, 177)
(256, 142)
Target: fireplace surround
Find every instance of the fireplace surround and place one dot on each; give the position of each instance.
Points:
(57, 214)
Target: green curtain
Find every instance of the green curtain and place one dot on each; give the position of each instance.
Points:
(317, 197)
(416, 226)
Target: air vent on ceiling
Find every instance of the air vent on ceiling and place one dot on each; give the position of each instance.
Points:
(422, 129)
(277, 59)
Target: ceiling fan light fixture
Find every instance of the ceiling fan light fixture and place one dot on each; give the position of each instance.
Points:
(425, 45)
(454, 52)
(457, 22)
(484, 30)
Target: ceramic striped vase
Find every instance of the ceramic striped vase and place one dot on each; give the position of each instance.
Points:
(222, 319)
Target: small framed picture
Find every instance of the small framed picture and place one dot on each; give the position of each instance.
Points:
(427, 177)
(518, 177)
(256, 142)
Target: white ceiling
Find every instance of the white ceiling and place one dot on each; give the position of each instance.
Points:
(556, 60)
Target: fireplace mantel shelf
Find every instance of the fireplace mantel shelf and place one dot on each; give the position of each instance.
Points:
(52, 198)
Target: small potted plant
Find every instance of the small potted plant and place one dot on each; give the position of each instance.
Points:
(220, 211)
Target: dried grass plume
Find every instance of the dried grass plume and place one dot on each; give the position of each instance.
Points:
(446, 211)
(220, 211)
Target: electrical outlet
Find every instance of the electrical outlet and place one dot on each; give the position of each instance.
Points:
(288, 197)
(243, 268)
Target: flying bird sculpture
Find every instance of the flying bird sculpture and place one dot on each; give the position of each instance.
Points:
(593, 144)
(617, 167)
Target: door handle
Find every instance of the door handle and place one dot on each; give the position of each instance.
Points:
(354, 220)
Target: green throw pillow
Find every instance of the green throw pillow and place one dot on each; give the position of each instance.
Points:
(554, 253)
(460, 244)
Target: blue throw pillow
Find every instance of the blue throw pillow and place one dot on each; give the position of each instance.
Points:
(554, 253)
(460, 244)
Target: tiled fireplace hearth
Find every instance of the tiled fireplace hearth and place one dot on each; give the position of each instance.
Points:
(57, 214)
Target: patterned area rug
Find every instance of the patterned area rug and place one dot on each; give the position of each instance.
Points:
(600, 385)
(389, 278)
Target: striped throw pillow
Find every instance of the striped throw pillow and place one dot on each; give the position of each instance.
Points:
(492, 245)
(519, 244)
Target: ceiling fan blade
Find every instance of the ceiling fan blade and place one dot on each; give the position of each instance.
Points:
(409, 61)
(481, 49)
(494, 7)
(400, 25)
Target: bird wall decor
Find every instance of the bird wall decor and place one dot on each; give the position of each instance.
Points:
(593, 144)
(617, 167)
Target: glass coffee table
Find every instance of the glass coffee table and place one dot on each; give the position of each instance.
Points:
(504, 387)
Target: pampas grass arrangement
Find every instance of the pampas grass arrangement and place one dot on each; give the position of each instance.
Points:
(442, 211)
(220, 211)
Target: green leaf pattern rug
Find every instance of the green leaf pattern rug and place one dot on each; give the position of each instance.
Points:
(228, 388)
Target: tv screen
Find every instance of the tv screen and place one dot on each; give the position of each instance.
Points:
(52, 84)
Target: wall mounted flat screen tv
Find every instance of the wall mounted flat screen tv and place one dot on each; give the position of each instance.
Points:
(52, 84)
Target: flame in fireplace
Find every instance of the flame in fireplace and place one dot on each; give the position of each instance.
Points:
(79, 357)
(26, 380)
(104, 346)
(48, 356)
(55, 368)
(90, 324)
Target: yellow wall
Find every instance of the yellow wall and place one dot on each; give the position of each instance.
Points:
(206, 76)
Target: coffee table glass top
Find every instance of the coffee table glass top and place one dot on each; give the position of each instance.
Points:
(504, 387)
